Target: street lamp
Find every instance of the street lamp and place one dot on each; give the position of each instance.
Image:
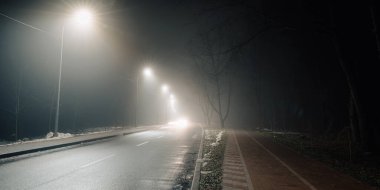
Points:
(172, 103)
(165, 91)
(147, 72)
(164, 88)
(83, 17)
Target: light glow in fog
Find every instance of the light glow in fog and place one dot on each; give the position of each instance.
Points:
(180, 123)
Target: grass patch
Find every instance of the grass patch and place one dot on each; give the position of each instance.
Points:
(214, 144)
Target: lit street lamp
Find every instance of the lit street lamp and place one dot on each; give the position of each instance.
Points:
(147, 72)
(164, 88)
(83, 18)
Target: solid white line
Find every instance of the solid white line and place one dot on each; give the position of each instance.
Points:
(97, 161)
(284, 164)
(142, 143)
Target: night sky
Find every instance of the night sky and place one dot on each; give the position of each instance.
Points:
(293, 65)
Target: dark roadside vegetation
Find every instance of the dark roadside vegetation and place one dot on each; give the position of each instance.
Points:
(213, 154)
(339, 153)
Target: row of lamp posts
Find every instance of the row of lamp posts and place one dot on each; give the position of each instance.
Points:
(165, 90)
(84, 18)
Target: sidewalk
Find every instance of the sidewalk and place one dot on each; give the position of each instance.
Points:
(235, 174)
(10, 150)
(273, 166)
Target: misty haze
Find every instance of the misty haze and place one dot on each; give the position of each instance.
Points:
(188, 95)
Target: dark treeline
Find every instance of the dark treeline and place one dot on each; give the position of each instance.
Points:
(306, 66)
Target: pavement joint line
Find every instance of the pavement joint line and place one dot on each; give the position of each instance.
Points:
(250, 185)
(233, 168)
(233, 162)
(143, 143)
(225, 176)
(307, 183)
(234, 173)
(233, 165)
(232, 188)
(97, 161)
(234, 182)
(236, 179)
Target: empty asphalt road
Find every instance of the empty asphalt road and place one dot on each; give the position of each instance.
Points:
(154, 159)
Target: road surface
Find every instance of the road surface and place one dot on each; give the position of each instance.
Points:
(152, 159)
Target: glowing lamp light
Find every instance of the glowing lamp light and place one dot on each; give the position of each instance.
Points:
(83, 17)
(164, 88)
(148, 72)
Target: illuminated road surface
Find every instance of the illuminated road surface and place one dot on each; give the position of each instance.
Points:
(146, 160)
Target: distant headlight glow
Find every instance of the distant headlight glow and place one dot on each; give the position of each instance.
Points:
(180, 123)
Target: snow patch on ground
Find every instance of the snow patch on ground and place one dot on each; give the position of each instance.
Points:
(218, 138)
(60, 135)
(49, 135)
(206, 172)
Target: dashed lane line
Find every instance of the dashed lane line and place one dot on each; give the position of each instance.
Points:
(97, 161)
(143, 143)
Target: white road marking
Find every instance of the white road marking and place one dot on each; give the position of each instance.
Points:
(160, 136)
(97, 161)
(142, 143)
(312, 187)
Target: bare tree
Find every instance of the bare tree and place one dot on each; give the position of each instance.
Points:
(375, 29)
(214, 71)
(206, 108)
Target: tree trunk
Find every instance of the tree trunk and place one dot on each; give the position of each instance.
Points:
(375, 30)
(220, 111)
(353, 122)
(352, 89)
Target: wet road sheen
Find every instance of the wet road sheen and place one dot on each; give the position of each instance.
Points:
(145, 160)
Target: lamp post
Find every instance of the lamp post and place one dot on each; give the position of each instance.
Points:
(165, 91)
(82, 17)
(147, 72)
(172, 105)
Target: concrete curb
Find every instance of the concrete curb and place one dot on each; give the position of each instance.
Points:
(7, 151)
(197, 170)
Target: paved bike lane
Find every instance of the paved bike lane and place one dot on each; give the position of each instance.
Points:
(273, 166)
